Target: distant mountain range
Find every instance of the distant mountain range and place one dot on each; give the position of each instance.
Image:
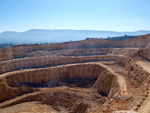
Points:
(48, 36)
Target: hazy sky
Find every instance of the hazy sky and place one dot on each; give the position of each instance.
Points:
(114, 15)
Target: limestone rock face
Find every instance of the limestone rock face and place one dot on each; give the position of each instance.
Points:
(10, 92)
(145, 53)
(141, 41)
(134, 72)
(104, 83)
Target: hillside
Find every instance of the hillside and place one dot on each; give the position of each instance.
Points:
(121, 38)
(51, 36)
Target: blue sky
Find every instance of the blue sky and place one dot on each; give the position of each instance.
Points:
(110, 15)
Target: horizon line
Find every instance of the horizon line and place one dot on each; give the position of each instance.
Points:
(73, 30)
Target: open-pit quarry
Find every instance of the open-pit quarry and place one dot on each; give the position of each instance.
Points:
(89, 76)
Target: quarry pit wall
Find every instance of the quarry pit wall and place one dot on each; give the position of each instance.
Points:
(12, 81)
(39, 62)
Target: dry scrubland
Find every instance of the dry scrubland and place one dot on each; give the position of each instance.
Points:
(89, 76)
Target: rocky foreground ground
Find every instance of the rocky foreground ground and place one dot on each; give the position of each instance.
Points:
(89, 76)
